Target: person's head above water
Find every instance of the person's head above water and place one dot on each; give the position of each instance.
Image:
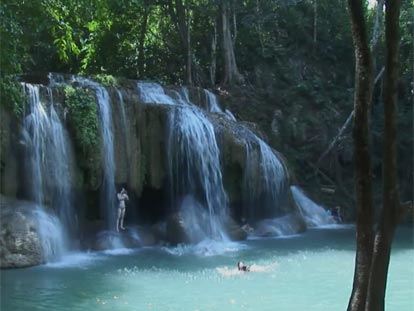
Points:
(241, 266)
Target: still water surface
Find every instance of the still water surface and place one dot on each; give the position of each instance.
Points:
(312, 271)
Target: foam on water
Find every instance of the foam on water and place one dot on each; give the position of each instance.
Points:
(206, 248)
(226, 271)
(119, 251)
(76, 260)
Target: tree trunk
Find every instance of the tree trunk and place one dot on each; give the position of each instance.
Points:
(213, 56)
(362, 170)
(141, 54)
(390, 209)
(231, 73)
(315, 22)
(180, 16)
(188, 47)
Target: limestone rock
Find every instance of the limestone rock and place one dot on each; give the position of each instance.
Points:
(8, 153)
(234, 231)
(20, 245)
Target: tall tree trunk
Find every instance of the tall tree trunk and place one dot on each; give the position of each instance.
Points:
(180, 16)
(315, 22)
(231, 73)
(362, 170)
(234, 25)
(141, 54)
(213, 56)
(390, 209)
(188, 47)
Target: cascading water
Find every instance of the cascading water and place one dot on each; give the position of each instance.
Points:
(313, 214)
(195, 165)
(35, 127)
(264, 181)
(153, 93)
(51, 235)
(125, 126)
(212, 104)
(108, 191)
(50, 168)
(61, 173)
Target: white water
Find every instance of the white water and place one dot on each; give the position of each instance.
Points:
(194, 165)
(61, 173)
(264, 183)
(50, 162)
(212, 104)
(125, 127)
(35, 130)
(153, 93)
(51, 235)
(314, 214)
(230, 115)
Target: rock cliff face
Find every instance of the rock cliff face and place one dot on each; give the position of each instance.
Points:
(20, 244)
(9, 144)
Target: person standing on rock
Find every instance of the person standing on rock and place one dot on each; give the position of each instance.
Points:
(122, 197)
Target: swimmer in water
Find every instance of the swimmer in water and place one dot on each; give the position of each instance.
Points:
(242, 267)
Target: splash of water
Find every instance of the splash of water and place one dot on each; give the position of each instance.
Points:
(52, 237)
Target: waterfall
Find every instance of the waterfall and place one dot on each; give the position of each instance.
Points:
(314, 214)
(212, 104)
(153, 93)
(35, 133)
(195, 165)
(108, 191)
(49, 165)
(61, 172)
(264, 181)
(125, 127)
(180, 97)
(52, 237)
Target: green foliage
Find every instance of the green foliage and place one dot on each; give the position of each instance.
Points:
(83, 117)
(11, 95)
(106, 80)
